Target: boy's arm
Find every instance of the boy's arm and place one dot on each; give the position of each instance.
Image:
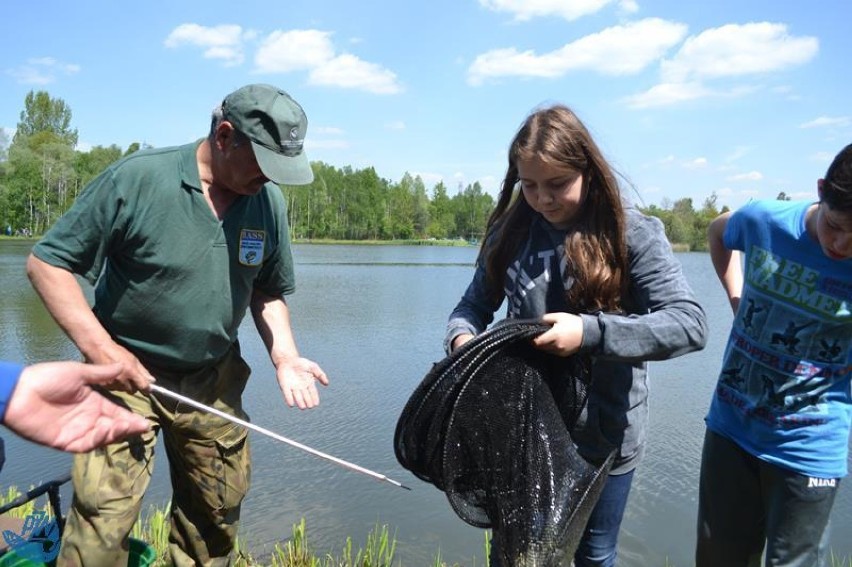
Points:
(726, 262)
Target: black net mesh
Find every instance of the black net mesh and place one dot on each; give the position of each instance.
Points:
(490, 426)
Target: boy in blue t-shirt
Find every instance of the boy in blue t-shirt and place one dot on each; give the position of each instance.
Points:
(778, 426)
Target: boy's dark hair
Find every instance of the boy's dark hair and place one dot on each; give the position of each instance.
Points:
(837, 185)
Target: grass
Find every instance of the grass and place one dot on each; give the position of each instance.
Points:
(378, 551)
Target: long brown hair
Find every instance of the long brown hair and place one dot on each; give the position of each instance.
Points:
(595, 246)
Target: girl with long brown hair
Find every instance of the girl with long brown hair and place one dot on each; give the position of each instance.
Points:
(562, 246)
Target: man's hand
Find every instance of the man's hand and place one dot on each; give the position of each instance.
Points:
(55, 405)
(133, 375)
(297, 378)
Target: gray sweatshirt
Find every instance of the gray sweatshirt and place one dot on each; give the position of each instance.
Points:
(662, 319)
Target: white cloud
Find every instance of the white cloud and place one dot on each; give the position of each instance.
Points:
(224, 43)
(429, 179)
(802, 195)
(395, 125)
(732, 51)
(42, 71)
(617, 50)
(282, 52)
(738, 153)
(736, 50)
(314, 144)
(326, 138)
(524, 10)
(313, 50)
(327, 130)
(822, 157)
(628, 6)
(830, 121)
(349, 71)
(697, 163)
(750, 176)
(666, 94)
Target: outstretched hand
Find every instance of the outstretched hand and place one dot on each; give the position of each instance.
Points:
(55, 405)
(297, 378)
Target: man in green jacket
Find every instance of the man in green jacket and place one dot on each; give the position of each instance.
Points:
(180, 243)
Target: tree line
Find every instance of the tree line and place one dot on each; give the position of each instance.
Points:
(42, 172)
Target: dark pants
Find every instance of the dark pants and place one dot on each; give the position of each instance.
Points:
(745, 503)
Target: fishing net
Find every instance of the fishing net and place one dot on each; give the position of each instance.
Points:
(490, 426)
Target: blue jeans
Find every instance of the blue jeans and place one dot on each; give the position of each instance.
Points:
(598, 546)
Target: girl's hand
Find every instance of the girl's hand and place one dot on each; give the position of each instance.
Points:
(459, 341)
(565, 335)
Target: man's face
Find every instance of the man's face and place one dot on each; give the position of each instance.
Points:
(239, 170)
(834, 232)
(246, 176)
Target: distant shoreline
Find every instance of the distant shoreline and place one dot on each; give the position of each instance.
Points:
(411, 242)
(319, 241)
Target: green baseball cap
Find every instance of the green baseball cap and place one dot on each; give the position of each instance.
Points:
(276, 126)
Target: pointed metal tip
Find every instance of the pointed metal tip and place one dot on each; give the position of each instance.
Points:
(403, 486)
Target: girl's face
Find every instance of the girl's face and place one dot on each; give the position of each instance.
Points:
(554, 191)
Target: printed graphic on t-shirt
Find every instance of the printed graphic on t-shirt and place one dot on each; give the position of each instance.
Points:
(251, 247)
(533, 275)
(789, 343)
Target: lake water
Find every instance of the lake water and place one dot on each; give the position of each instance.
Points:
(373, 317)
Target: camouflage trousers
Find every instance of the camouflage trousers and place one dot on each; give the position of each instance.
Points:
(209, 465)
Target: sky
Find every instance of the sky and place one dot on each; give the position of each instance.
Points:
(741, 99)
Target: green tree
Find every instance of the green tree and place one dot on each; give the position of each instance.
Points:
(90, 164)
(442, 220)
(702, 221)
(400, 208)
(21, 183)
(4, 145)
(472, 207)
(44, 114)
(41, 163)
(422, 211)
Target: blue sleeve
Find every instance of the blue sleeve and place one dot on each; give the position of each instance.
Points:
(9, 374)
(737, 228)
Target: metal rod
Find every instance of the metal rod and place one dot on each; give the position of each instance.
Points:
(253, 427)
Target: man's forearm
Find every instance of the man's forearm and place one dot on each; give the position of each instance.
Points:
(272, 319)
(63, 297)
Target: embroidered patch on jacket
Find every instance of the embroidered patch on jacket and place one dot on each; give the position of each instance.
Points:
(251, 247)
